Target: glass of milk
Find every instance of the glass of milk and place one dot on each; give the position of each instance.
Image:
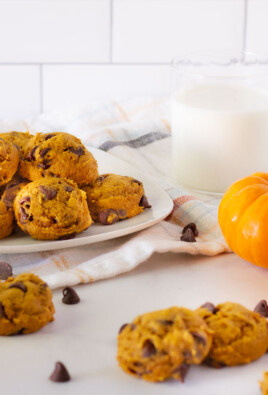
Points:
(219, 118)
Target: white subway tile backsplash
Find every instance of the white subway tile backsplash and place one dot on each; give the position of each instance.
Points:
(19, 91)
(54, 31)
(158, 30)
(71, 85)
(257, 27)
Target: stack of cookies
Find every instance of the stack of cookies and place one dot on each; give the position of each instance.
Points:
(51, 188)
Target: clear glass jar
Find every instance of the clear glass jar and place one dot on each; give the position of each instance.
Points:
(219, 118)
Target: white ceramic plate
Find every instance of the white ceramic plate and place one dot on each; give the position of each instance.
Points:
(159, 199)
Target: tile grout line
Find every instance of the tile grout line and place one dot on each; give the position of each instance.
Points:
(41, 88)
(111, 29)
(84, 63)
(244, 44)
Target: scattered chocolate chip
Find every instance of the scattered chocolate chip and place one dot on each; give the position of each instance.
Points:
(122, 213)
(18, 285)
(104, 216)
(199, 338)
(31, 155)
(122, 328)
(210, 307)
(77, 151)
(5, 270)
(68, 188)
(262, 308)
(144, 202)
(44, 151)
(101, 178)
(183, 371)
(44, 165)
(70, 296)
(148, 349)
(24, 200)
(136, 181)
(60, 373)
(2, 311)
(191, 226)
(67, 237)
(49, 193)
(188, 236)
(23, 215)
(48, 136)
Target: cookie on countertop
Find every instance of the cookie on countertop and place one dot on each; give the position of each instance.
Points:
(52, 208)
(58, 155)
(25, 304)
(6, 220)
(9, 161)
(113, 197)
(19, 139)
(240, 335)
(264, 384)
(163, 344)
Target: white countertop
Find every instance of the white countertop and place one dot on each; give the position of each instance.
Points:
(83, 336)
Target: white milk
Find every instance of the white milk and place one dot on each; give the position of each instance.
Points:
(220, 134)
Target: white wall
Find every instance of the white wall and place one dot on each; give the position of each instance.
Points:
(56, 53)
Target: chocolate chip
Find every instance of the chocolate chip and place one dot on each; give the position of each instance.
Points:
(44, 165)
(44, 151)
(60, 373)
(18, 285)
(262, 308)
(188, 236)
(210, 307)
(68, 188)
(49, 193)
(200, 339)
(2, 311)
(144, 202)
(5, 270)
(191, 226)
(77, 151)
(31, 155)
(166, 322)
(122, 328)
(20, 332)
(122, 213)
(70, 296)
(67, 237)
(101, 178)
(148, 349)
(24, 200)
(48, 136)
(104, 217)
(183, 371)
(23, 215)
(136, 181)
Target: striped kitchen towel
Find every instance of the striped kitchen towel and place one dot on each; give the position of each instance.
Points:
(137, 131)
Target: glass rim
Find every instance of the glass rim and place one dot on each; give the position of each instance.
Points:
(178, 63)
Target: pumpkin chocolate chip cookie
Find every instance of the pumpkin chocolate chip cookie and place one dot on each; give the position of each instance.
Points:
(58, 155)
(52, 208)
(19, 139)
(163, 344)
(239, 335)
(113, 197)
(9, 160)
(25, 305)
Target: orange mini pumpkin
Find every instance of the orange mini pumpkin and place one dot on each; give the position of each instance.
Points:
(243, 218)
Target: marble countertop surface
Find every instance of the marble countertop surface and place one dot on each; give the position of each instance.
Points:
(83, 336)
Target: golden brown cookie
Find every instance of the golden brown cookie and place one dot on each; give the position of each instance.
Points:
(9, 160)
(52, 208)
(240, 335)
(6, 220)
(58, 155)
(264, 384)
(19, 139)
(113, 197)
(25, 304)
(163, 344)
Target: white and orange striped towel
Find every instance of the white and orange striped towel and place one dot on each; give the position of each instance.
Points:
(137, 131)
